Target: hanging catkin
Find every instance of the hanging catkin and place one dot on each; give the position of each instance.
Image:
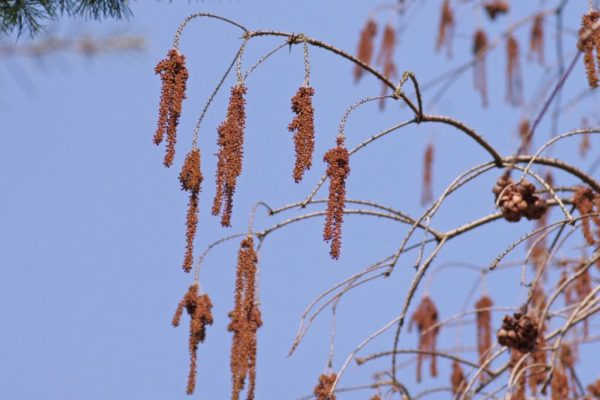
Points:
(174, 75)
(245, 319)
(199, 309)
(303, 127)
(338, 168)
(231, 151)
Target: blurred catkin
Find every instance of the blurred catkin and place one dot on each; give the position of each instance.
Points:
(484, 329)
(338, 168)
(457, 379)
(480, 42)
(365, 47)
(426, 318)
(385, 59)
(496, 7)
(199, 309)
(321, 391)
(514, 81)
(303, 127)
(590, 44)
(587, 202)
(245, 319)
(231, 149)
(427, 194)
(536, 39)
(519, 388)
(174, 75)
(446, 28)
(191, 178)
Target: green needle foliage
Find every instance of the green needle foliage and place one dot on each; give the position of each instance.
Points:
(32, 15)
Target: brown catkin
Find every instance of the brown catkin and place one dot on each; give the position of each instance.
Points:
(365, 47)
(538, 373)
(536, 39)
(446, 28)
(518, 391)
(514, 81)
(594, 389)
(496, 7)
(427, 183)
(425, 317)
(484, 328)
(338, 168)
(584, 145)
(524, 134)
(385, 59)
(303, 127)
(584, 201)
(174, 75)
(583, 287)
(321, 391)
(480, 43)
(590, 44)
(231, 150)
(191, 178)
(199, 309)
(457, 379)
(245, 319)
(560, 384)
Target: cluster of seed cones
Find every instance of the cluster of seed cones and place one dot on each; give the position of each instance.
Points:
(519, 332)
(199, 309)
(517, 200)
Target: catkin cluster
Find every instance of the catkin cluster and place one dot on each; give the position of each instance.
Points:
(174, 75)
(303, 127)
(338, 168)
(496, 7)
(191, 178)
(199, 309)
(519, 332)
(245, 319)
(518, 200)
(589, 41)
(365, 47)
(321, 391)
(426, 317)
(231, 148)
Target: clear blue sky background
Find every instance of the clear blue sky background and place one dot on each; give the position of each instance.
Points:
(92, 225)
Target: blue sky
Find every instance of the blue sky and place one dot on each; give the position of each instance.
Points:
(92, 225)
